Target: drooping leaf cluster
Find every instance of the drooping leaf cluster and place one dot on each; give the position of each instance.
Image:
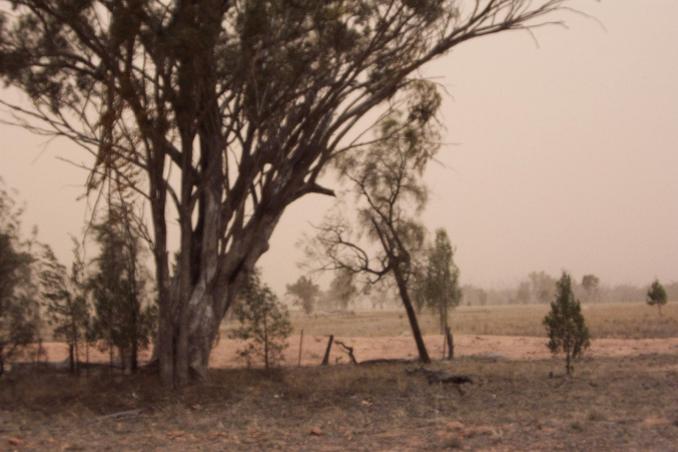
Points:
(264, 324)
(565, 324)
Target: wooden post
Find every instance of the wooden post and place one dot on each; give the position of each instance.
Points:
(301, 345)
(326, 359)
(450, 343)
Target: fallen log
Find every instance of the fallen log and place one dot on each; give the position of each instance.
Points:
(120, 415)
(442, 377)
(369, 362)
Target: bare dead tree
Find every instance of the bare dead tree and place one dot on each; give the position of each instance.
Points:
(221, 113)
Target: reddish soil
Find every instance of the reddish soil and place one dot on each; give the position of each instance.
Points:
(368, 348)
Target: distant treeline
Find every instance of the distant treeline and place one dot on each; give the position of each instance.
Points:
(540, 288)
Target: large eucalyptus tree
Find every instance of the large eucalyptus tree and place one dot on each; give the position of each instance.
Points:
(222, 113)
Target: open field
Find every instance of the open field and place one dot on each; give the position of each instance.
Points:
(499, 332)
(607, 320)
(612, 404)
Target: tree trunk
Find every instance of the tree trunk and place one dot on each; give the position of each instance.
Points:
(568, 365)
(190, 319)
(450, 343)
(411, 316)
(185, 341)
(110, 356)
(134, 358)
(266, 364)
(71, 359)
(301, 346)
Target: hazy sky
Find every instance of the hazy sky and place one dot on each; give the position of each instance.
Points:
(562, 156)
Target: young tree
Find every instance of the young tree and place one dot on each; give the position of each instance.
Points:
(124, 318)
(389, 195)
(223, 113)
(439, 285)
(565, 324)
(305, 293)
(264, 323)
(66, 301)
(656, 295)
(591, 284)
(19, 308)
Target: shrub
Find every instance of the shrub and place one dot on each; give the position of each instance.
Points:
(565, 324)
(656, 295)
(264, 324)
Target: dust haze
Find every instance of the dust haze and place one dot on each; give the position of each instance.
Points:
(560, 154)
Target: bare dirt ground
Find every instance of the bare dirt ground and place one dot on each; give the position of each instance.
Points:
(624, 395)
(497, 332)
(627, 403)
(402, 347)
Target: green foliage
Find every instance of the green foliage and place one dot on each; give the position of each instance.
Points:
(438, 287)
(124, 317)
(305, 293)
(264, 324)
(656, 295)
(19, 301)
(66, 302)
(565, 324)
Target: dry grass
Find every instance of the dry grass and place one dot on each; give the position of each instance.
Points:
(619, 320)
(611, 404)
